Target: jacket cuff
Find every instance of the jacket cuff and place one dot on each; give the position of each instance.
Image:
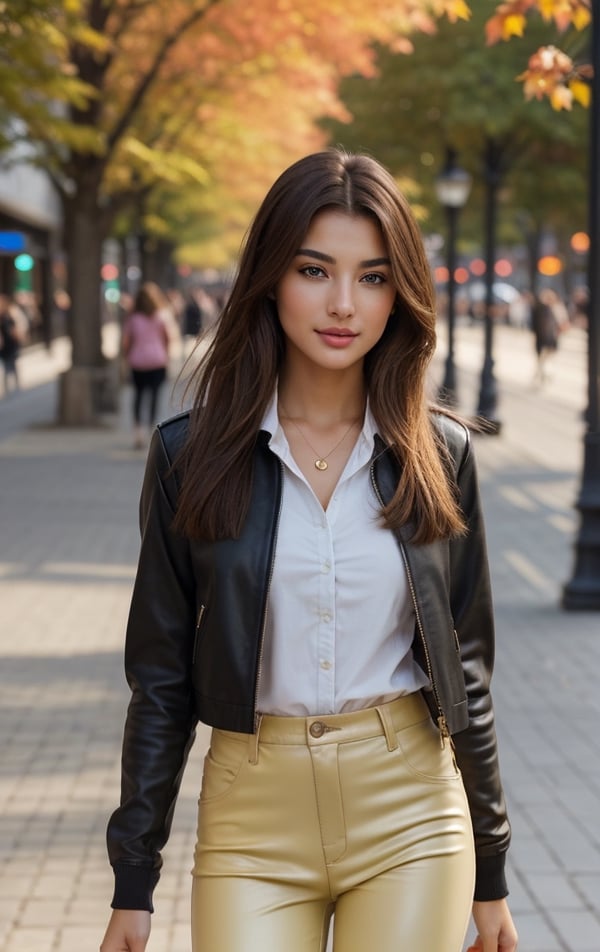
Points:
(134, 886)
(490, 879)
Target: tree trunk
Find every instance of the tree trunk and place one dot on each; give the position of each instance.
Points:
(157, 261)
(83, 239)
(88, 389)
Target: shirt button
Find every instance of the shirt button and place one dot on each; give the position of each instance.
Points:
(326, 665)
(325, 616)
(325, 567)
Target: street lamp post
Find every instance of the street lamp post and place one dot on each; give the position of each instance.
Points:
(452, 188)
(583, 590)
(488, 393)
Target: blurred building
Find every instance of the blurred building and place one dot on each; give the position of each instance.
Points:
(30, 222)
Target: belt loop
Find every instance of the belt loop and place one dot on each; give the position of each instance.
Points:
(388, 727)
(253, 743)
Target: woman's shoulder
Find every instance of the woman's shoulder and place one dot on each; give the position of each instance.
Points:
(453, 431)
(173, 433)
(134, 318)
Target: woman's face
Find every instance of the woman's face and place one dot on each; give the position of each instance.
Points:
(335, 298)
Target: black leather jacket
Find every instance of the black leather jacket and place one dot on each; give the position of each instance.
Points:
(194, 642)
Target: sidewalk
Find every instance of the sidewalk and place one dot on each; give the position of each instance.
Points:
(68, 547)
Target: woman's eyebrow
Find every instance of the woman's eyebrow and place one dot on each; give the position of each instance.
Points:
(321, 256)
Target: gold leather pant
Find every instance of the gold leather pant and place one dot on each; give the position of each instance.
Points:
(363, 815)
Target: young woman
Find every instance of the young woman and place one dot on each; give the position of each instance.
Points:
(313, 584)
(145, 345)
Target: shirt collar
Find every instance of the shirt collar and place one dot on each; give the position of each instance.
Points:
(279, 444)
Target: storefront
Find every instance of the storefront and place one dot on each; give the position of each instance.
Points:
(29, 259)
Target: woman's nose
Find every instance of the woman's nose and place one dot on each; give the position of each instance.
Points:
(341, 300)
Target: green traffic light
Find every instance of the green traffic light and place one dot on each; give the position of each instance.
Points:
(24, 262)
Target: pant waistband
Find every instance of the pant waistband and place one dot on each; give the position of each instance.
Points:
(342, 728)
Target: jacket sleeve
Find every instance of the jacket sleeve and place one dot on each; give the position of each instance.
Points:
(160, 723)
(475, 747)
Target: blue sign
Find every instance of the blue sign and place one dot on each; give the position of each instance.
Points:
(12, 242)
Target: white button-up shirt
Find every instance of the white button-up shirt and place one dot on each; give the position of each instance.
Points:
(340, 620)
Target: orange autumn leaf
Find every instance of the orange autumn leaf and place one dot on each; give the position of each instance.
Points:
(509, 20)
(566, 12)
(511, 15)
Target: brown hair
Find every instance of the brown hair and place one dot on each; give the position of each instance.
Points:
(237, 377)
(148, 300)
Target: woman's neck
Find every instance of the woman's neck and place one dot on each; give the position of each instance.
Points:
(322, 399)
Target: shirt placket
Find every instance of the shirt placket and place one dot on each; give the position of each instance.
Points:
(326, 617)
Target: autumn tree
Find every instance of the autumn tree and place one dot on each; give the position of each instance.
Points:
(35, 75)
(453, 91)
(159, 93)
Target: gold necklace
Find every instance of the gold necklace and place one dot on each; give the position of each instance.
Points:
(321, 461)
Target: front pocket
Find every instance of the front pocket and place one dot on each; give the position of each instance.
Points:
(223, 765)
(423, 752)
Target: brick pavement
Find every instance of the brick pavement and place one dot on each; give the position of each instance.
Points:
(68, 544)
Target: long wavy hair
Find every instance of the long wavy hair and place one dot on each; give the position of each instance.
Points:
(237, 377)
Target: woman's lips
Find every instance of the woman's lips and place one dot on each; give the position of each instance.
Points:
(337, 336)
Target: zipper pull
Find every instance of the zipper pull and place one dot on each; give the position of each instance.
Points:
(201, 611)
(443, 729)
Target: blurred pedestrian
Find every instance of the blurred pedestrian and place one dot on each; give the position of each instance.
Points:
(519, 310)
(313, 583)
(549, 318)
(145, 343)
(10, 345)
(192, 315)
(580, 307)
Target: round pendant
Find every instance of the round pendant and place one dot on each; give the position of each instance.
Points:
(321, 464)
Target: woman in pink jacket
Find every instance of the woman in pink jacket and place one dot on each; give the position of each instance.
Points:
(146, 349)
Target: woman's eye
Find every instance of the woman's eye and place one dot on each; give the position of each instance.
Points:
(374, 278)
(312, 270)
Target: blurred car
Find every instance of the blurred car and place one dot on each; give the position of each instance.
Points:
(503, 292)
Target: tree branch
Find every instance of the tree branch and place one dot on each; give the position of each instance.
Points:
(127, 16)
(146, 81)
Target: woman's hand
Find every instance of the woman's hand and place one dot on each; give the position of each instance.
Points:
(496, 930)
(128, 931)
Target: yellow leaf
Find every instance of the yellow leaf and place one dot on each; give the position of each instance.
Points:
(513, 25)
(581, 18)
(581, 92)
(457, 10)
(547, 8)
(561, 98)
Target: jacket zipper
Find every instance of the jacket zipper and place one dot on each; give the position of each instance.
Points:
(441, 718)
(201, 611)
(265, 609)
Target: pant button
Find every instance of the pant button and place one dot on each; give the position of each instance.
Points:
(316, 729)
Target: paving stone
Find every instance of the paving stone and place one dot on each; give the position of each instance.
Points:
(581, 930)
(553, 891)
